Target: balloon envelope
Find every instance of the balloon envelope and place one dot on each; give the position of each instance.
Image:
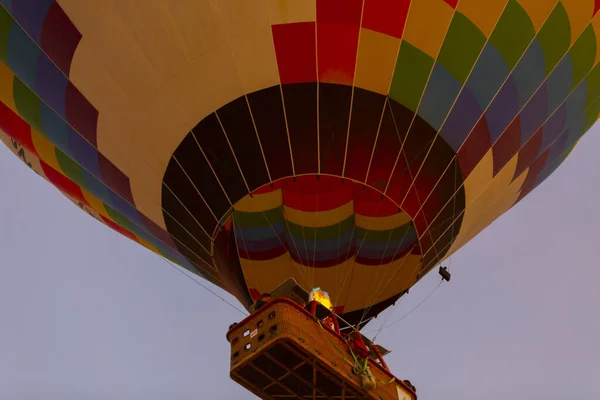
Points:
(350, 144)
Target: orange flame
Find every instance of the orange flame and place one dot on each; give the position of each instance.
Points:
(322, 297)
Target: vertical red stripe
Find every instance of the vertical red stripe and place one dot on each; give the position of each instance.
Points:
(116, 180)
(63, 183)
(529, 152)
(81, 114)
(474, 149)
(386, 16)
(596, 7)
(295, 51)
(338, 27)
(16, 128)
(310, 194)
(451, 3)
(60, 38)
(536, 167)
(119, 229)
(507, 145)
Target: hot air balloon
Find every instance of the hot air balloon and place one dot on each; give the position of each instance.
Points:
(350, 145)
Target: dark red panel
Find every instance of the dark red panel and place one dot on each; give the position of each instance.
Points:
(341, 12)
(474, 149)
(263, 255)
(238, 127)
(369, 202)
(60, 38)
(16, 128)
(295, 51)
(367, 111)
(310, 194)
(334, 113)
(63, 183)
(507, 145)
(338, 27)
(534, 170)
(81, 115)
(268, 115)
(434, 171)
(596, 7)
(451, 3)
(115, 179)
(158, 232)
(301, 112)
(384, 260)
(443, 192)
(529, 152)
(386, 16)
(389, 142)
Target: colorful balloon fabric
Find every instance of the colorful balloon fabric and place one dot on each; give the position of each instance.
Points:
(350, 144)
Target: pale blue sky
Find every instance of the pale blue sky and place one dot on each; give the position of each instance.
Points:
(87, 314)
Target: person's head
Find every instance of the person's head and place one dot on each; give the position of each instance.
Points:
(265, 297)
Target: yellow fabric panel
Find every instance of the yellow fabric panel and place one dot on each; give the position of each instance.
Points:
(147, 245)
(483, 13)
(289, 11)
(96, 204)
(538, 10)
(110, 36)
(6, 87)
(371, 284)
(147, 192)
(45, 149)
(580, 14)
(254, 56)
(479, 177)
(382, 223)
(260, 202)
(29, 157)
(321, 218)
(198, 25)
(267, 275)
(110, 99)
(367, 281)
(247, 25)
(156, 34)
(377, 54)
(493, 199)
(427, 24)
(84, 208)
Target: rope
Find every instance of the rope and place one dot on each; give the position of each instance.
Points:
(175, 267)
(408, 313)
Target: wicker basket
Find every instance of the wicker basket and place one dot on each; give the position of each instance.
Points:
(283, 352)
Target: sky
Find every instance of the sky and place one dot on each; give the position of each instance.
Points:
(87, 314)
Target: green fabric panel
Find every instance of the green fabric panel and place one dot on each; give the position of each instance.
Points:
(28, 104)
(6, 22)
(513, 33)
(69, 167)
(257, 219)
(592, 115)
(461, 48)
(555, 37)
(118, 218)
(413, 68)
(384, 236)
(323, 233)
(593, 81)
(583, 55)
